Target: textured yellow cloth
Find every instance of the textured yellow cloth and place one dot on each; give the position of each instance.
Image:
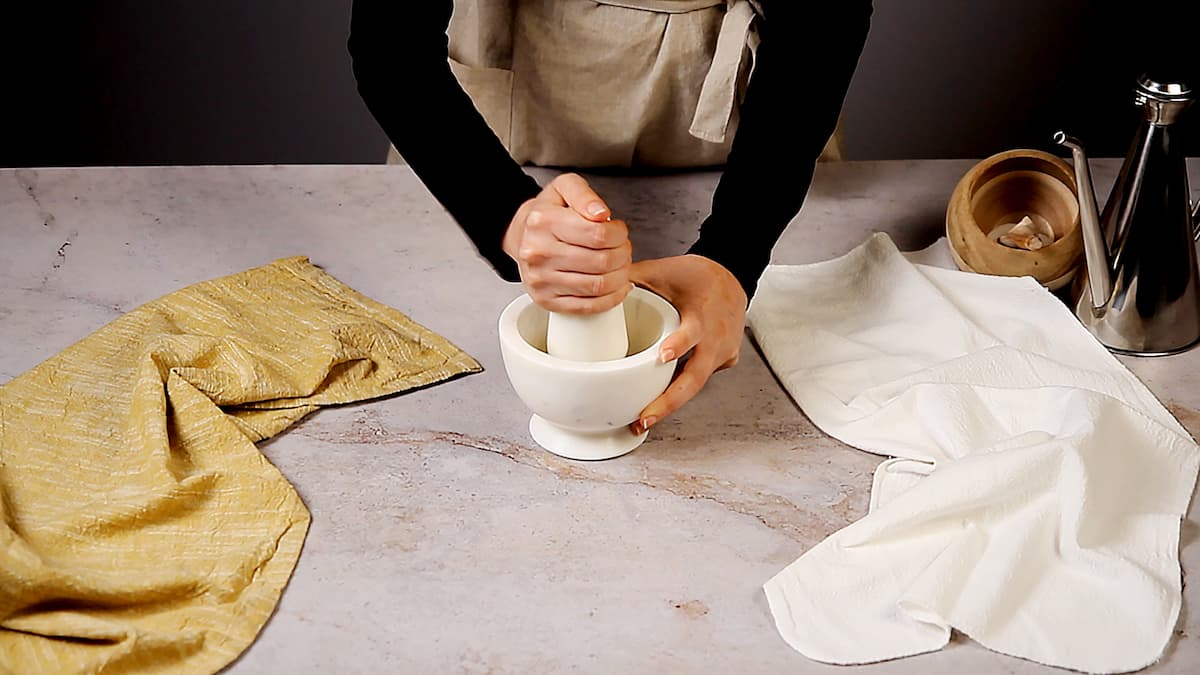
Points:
(140, 528)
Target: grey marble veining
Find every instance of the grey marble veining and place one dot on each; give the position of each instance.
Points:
(443, 539)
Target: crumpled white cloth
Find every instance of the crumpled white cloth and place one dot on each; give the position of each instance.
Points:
(1035, 493)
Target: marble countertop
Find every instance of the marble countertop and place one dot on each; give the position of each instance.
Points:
(443, 539)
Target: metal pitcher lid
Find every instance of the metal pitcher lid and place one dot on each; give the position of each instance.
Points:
(1164, 90)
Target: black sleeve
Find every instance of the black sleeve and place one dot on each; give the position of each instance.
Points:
(805, 60)
(399, 52)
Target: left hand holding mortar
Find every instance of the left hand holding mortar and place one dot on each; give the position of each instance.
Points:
(712, 313)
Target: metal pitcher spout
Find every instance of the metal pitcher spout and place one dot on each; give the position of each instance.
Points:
(1095, 249)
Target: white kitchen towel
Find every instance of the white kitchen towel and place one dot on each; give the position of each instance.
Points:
(1035, 493)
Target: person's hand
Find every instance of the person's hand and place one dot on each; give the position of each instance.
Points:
(712, 316)
(572, 256)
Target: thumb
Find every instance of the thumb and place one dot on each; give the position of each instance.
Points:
(575, 192)
(680, 341)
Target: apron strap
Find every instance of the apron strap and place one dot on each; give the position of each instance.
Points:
(714, 110)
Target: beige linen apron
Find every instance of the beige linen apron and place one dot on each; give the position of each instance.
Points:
(607, 83)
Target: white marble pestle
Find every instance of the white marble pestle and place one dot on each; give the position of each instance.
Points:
(588, 337)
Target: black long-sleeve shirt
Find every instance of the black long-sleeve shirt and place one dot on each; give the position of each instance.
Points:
(805, 59)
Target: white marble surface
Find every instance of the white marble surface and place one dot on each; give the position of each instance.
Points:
(443, 540)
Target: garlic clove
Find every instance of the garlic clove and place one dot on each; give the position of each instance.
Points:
(1027, 234)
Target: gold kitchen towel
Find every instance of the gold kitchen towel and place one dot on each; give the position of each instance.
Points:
(141, 530)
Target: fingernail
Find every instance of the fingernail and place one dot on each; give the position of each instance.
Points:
(666, 355)
(596, 209)
(646, 422)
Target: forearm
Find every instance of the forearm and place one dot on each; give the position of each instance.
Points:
(808, 52)
(399, 53)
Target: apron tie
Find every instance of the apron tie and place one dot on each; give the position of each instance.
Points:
(714, 109)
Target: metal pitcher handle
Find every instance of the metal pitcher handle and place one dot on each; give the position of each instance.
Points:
(1196, 221)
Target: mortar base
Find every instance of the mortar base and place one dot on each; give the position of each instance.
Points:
(583, 445)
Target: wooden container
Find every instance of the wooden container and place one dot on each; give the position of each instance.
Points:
(1002, 189)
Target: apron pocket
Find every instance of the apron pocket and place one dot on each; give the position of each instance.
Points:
(490, 90)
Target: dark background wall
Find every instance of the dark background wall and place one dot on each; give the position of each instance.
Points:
(966, 78)
(269, 81)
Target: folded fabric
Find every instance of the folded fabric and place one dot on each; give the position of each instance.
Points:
(1036, 491)
(141, 530)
